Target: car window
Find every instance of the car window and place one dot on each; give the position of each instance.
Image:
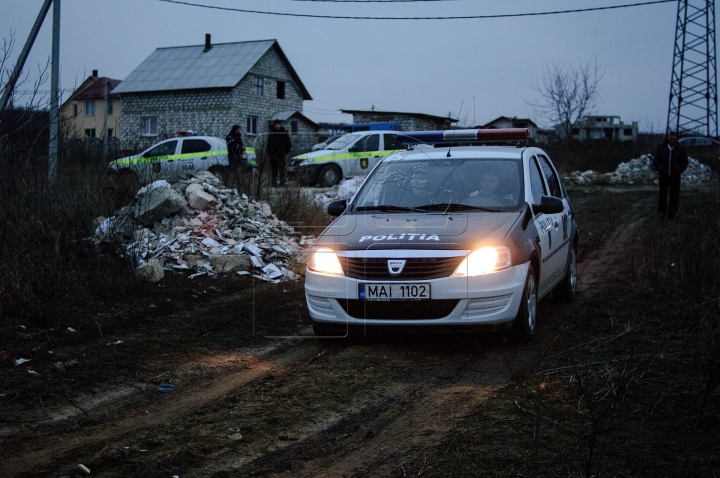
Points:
(536, 183)
(391, 142)
(342, 142)
(550, 176)
(460, 183)
(368, 143)
(162, 149)
(195, 146)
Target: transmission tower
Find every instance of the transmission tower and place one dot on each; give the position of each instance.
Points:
(693, 107)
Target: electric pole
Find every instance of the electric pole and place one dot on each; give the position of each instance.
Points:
(693, 106)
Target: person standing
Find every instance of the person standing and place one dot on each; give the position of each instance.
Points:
(670, 161)
(236, 150)
(277, 147)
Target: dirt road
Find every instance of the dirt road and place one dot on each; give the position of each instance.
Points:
(247, 405)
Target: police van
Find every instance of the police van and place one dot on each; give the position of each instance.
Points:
(173, 159)
(351, 155)
(447, 238)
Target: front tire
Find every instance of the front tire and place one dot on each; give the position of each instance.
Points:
(565, 290)
(127, 184)
(330, 175)
(523, 327)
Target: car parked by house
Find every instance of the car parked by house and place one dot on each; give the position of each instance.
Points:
(351, 155)
(446, 238)
(701, 146)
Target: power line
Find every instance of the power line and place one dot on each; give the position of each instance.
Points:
(466, 17)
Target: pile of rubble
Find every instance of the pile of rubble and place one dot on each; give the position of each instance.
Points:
(344, 190)
(200, 226)
(639, 172)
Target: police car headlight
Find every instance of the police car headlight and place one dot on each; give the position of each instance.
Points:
(325, 261)
(307, 162)
(484, 261)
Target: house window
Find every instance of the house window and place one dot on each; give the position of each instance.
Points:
(627, 132)
(252, 122)
(258, 86)
(149, 126)
(281, 90)
(109, 107)
(110, 133)
(75, 109)
(90, 133)
(89, 108)
(293, 126)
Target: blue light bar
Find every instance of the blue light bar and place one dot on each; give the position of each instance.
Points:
(463, 135)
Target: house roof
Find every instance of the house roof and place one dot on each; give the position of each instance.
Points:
(286, 115)
(93, 88)
(192, 67)
(417, 115)
(513, 119)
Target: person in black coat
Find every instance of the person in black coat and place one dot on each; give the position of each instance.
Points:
(670, 161)
(278, 146)
(236, 151)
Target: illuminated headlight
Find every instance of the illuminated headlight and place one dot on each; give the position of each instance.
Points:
(307, 162)
(325, 261)
(484, 261)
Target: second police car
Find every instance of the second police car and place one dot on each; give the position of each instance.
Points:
(447, 238)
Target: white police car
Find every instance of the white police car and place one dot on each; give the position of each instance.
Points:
(174, 158)
(446, 238)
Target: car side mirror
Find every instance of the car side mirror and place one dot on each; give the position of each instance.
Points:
(548, 205)
(354, 149)
(336, 208)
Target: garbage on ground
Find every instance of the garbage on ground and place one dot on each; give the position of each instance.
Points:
(166, 387)
(21, 361)
(200, 226)
(639, 172)
(346, 189)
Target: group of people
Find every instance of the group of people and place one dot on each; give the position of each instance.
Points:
(277, 146)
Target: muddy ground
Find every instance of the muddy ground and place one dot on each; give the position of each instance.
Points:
(256, 394)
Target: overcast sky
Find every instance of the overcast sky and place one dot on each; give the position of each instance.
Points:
(474, 69)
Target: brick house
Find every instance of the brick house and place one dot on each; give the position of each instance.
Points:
(604, 127)
(208, 88)
(91, 110)
(536, 133)
(409, 121)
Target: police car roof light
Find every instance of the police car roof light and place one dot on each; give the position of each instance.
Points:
(459, 135)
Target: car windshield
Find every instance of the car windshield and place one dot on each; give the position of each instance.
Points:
(342, 141)
(447, 185)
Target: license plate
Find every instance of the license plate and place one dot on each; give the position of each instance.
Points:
(394, 291)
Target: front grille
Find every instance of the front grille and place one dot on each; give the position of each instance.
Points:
(399, 310)
(418, 268)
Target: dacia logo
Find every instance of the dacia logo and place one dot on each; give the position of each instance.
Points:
(363, 163)
(156, 167)
(395, 266)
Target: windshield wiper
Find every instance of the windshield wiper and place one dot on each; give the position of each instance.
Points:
(389, 208)
(456, 207)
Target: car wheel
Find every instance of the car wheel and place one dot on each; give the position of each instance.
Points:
(127, 184)
(523, 327)
(565, 290)
(219, 172)
(330, 175)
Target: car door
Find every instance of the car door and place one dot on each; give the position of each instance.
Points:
(155, 160)
(558, 235)
(543, 224)
(362, 153)
(194, 156)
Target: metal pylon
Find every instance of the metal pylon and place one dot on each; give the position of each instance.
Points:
(693, 107)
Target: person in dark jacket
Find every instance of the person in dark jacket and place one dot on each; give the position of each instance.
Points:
(236, 151)
(278, 146)
(670, 161)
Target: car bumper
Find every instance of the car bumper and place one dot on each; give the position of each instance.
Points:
(307, 173)
(490, 299)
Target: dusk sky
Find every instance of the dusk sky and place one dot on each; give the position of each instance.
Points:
(474, 69)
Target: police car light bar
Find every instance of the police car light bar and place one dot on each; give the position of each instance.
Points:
(460, 135)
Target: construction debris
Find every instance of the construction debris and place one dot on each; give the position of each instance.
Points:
(639, 172)
(200, 226)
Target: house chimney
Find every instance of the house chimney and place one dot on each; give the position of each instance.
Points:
(208, 45)
(95, 72)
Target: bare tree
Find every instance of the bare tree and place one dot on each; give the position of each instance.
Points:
(568, 94)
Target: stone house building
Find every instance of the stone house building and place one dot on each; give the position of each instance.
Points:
(409, 121)
(208, 88)
(538, 134)
(604, 127)
(92, 111)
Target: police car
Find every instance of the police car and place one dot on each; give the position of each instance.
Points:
(353, 154)
(172, 159)
(447, 238)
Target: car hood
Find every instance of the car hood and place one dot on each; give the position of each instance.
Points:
(464, 231)
(318, 153)
(124, 161)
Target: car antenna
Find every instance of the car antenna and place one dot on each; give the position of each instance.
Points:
(451, 139)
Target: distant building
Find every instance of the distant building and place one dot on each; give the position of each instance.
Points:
(409, 121)
(303, 131)
(91, 110)
(208, 88)
(538, 134)
(604, 127)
